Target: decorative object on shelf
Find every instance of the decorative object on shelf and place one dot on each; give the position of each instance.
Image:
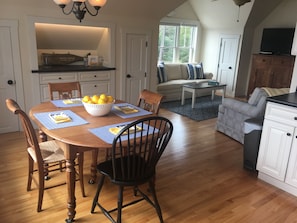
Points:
(92, 60)
(60, 59)
(79, 7)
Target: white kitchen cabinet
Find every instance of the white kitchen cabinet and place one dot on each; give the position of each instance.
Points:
(94, 82)
(277, 158)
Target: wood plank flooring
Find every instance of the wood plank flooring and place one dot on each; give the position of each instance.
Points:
(200, 178)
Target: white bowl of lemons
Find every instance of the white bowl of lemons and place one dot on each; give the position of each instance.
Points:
(98, 105)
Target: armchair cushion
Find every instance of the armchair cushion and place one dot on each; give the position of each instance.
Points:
(256, 95)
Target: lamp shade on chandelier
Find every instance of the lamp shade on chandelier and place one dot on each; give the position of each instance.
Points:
(79, 7)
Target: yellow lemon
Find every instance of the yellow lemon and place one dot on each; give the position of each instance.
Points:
(86, 98)
(95, 99)
(101, 101)
(109, 99)
(103, 97)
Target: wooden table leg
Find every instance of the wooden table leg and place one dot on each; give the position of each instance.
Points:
(94, 166)
(70, 156)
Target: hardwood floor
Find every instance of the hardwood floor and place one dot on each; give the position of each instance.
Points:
(200, 178)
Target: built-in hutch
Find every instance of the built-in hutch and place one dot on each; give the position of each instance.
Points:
(69, 46)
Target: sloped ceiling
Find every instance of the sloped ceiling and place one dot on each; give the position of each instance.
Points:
(221, 14)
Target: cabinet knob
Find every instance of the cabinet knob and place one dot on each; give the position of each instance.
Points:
(295, 118)
(60, 78)
(288, 134)
(95, 75)
(95, 85)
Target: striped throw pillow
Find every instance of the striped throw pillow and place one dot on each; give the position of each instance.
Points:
(161, 73)
(195, 71)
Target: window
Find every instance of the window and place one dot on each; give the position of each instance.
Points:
(177, 43)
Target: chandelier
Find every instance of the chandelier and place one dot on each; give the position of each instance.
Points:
(79, 7)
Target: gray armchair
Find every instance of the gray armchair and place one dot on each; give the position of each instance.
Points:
(233, 113)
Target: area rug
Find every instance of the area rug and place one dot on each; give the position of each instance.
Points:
(204, 108)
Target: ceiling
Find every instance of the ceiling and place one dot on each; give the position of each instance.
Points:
(221, 14)
(212, 14)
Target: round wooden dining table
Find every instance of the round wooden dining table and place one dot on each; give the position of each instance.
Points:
(76, 139)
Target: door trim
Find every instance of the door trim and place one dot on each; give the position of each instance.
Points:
(123, 61)
(13, 25)
(237, 37)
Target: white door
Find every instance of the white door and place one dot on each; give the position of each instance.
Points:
(227, 62)
(136, 65)
(10, 74)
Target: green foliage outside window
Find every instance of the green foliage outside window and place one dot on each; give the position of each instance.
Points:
(176, 43)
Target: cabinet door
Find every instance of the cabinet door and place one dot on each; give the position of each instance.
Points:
(291, 177)
(260, 72)
(275, 149)
(99, 87)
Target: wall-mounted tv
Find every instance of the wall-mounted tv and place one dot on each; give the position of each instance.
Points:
(277, 41)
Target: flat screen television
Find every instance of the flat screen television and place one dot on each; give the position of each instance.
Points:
(277, 41)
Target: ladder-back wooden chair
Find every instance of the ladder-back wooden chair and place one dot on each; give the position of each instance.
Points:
(150, 101)
(65, 90)
(134, 156)
(46, 155)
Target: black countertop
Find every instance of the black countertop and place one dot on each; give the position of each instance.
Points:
(285, 99)
(70, 68)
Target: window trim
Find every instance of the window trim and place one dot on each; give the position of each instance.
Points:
(178, 22)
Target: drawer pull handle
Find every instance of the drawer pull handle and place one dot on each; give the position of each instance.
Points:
(95, 85)
(95, 75)
(295, 118)
(60, 78)
(288, 134)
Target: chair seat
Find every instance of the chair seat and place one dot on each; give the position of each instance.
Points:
(50, 152)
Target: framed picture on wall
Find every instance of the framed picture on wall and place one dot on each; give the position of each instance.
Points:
(92, 60)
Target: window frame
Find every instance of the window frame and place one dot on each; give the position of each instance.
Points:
(176, 48)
